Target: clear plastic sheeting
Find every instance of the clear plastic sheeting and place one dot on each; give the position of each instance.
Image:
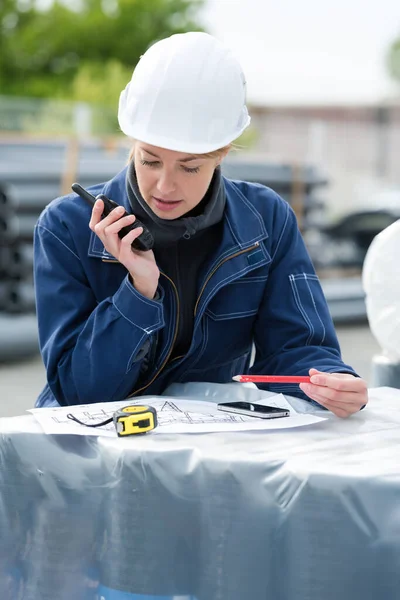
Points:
(303, 514)
(381, 282)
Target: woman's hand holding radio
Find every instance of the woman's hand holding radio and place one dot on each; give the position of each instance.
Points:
(141, 265)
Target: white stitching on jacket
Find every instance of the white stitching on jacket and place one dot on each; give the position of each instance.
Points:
(282, 232)
(57, 238)
(296, 294)
(307, 277)
(315, 307)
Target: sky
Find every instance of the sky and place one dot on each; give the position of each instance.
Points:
(309, 51)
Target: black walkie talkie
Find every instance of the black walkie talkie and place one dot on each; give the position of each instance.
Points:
(145, 241)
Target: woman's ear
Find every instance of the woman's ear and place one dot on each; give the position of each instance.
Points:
(132, 153)
(221, 157)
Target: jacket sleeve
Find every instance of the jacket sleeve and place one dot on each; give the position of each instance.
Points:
(92, 352)
(294, 330)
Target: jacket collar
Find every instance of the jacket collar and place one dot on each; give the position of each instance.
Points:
(244, 225)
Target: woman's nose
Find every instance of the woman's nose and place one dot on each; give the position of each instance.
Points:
(166, 183)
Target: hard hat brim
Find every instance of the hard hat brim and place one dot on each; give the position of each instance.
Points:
(179, 145)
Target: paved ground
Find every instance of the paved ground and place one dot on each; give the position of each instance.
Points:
(21, 382)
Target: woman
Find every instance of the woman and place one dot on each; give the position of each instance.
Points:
(228, 269)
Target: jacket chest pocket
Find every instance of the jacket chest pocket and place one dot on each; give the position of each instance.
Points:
(237, 300)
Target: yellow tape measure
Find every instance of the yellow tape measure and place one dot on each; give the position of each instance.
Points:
(132, 420)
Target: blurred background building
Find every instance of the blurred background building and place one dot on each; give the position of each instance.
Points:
(323, 92)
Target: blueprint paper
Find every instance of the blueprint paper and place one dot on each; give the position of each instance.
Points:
(174, 416)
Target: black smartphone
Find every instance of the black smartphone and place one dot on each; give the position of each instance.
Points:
(254, 410)
(145, 241)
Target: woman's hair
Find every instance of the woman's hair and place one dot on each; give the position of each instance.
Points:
(214, 154)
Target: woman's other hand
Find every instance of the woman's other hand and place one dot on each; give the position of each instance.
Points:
(341, 393)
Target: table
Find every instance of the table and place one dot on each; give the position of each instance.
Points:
(305, 514)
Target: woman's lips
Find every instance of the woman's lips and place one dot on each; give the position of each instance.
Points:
(166, 205)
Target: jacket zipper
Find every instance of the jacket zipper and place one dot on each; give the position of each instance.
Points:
(216, 269)
(172, 345)
(209, 277)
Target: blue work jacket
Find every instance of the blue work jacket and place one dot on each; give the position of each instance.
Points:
(101, 340)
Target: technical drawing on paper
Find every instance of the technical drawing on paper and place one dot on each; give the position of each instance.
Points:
(168, 413)
(174, 416)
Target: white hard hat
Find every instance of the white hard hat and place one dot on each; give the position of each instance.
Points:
(187, 93)
(381, 282)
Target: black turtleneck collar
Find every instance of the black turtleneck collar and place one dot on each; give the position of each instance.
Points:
(166, 231)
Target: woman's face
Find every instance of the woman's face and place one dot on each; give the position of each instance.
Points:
(172, 183)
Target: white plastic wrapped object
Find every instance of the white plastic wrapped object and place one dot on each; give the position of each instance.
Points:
(381, 282)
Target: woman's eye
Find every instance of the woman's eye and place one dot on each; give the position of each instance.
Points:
(156, 163)
(147, 163)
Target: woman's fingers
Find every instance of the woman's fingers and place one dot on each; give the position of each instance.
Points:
(338, 411)
(98, 224)
(97, 211)
(332, 395)
(343, 382)
(107, 229)
(117, 225)
(126, 244)
(341, 393)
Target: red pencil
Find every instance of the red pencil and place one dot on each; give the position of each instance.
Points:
(272, 378)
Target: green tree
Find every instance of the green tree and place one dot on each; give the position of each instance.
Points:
(394, 60)
(54, 51)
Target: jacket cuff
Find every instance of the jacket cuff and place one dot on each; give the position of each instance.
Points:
(143, 313)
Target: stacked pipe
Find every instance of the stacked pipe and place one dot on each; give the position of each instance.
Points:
(16, 257)
(18, 328)
(32, 174)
